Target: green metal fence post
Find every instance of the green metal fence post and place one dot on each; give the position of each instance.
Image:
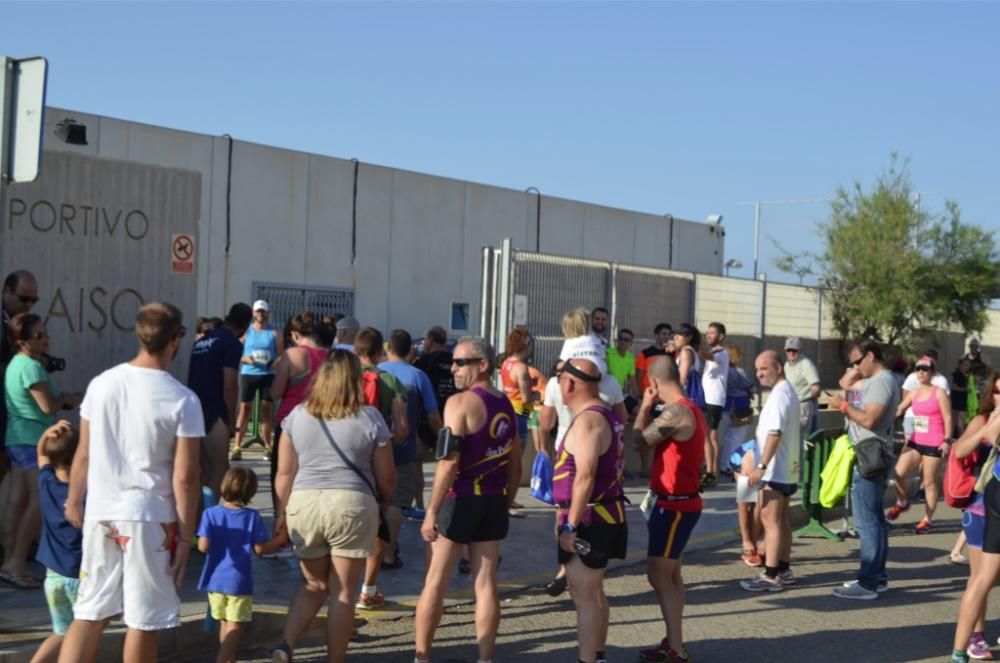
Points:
(817, 451)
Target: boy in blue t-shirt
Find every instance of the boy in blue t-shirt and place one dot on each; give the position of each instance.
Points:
(226, 534)
(60, 547)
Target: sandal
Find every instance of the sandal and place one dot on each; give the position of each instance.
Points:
(556, 586)
(20, 582)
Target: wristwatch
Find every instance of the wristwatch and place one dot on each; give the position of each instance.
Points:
(567, 527)
(761, 466)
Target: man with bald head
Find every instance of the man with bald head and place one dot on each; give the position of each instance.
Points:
(588, 487)
(776, 472)
(677, 436)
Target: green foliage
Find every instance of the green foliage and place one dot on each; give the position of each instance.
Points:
(893, 270)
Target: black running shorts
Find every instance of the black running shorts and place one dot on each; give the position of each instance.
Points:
(473, 518)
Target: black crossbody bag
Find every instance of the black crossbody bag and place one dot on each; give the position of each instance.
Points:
(346, 460)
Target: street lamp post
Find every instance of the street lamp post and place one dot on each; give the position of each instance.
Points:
(756, 222)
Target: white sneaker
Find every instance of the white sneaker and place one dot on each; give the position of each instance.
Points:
(854, 591)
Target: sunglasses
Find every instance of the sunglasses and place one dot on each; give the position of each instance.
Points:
(924, 368)
(791, 351)
(37, 336)
(462, 362)
(856, 362)
(27, 299)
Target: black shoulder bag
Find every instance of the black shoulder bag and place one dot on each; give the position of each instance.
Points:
(346, 460)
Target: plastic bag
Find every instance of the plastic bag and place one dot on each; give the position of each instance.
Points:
(541, 479)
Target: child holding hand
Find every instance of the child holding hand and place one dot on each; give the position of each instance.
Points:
(228, 535)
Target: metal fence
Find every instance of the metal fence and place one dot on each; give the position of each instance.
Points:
(534, 290)
(287, 301)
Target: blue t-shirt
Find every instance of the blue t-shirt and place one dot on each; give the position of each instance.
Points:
(419, 401)
(60, 547)
(210, 354)
(259, 344)
(231, 535)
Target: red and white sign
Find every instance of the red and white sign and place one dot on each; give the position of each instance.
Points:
(182, 254)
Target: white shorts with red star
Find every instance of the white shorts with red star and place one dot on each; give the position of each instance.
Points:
(126, 571)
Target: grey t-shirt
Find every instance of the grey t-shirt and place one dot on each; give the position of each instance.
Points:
(320, 466)
(881, 389)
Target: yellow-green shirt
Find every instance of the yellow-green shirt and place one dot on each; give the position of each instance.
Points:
(621, 367)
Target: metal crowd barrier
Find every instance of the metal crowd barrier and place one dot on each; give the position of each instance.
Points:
(815, 453)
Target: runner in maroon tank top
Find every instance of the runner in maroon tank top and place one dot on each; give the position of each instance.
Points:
(588, 489)
(473, 488)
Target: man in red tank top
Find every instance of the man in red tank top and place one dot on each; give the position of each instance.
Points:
(678, 438)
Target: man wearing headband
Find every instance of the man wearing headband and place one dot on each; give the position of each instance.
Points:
(588, 489)
(677, 435)
(478, 470)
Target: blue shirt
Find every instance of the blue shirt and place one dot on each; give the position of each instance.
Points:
(419, 401)
(210, 354)
(231, 535)
(262, 346)
(61, 545)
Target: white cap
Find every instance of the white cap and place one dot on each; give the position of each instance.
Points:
(587, 347)
(261, 305)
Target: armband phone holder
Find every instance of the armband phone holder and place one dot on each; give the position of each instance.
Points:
(447, 443)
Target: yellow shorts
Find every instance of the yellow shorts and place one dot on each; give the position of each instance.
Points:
(230, 608)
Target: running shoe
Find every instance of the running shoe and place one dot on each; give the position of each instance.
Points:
(282, 653)
(896, 509)
(787, 577)
(708, 480)
(372, 602)
(762, 583)
(923, 527)
(556, 586)
(979, 650)
(751, 558)
(236, 455)
(854, 591)
(655, 654)
(881, 588)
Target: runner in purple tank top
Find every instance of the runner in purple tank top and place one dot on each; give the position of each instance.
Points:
(473, 487)
(589, 491)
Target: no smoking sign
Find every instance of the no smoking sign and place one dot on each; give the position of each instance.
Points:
(182, 254)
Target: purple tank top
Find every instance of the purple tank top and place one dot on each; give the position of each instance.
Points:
(606, 500)
(482, 463)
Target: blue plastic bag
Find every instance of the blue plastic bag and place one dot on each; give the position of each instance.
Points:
(541, 479)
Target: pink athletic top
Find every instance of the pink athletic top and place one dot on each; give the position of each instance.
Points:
(298, 386)
(928, 422)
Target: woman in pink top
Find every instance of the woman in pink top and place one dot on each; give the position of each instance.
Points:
(931, 418)
(293, 374)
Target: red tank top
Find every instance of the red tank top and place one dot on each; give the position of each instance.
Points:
(298, 386)
(676, 468)
(511, 388)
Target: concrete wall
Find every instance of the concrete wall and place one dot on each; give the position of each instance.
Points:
(418, 236)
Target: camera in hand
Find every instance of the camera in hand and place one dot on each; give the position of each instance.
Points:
(53, 364)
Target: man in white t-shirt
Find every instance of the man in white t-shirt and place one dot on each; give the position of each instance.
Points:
(137, 464)
(777, 472)
(713, 383)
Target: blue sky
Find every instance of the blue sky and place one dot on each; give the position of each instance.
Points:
(687, 108)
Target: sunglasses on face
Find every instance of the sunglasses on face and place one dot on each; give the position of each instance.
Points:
(924, 368)
(791, 351)
(856, 362)
(27, 299)
(462, 362)
(37, 336)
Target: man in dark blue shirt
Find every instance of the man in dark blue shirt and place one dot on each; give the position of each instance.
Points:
(213, 376)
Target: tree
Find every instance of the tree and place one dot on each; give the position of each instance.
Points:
(895, 271)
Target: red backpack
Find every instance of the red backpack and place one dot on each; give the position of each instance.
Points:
(960, 479)
(369, 380)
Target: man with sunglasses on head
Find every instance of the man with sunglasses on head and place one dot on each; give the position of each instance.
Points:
(20, 293)
(871, 412)
(479, 465)
(137, 465)
(588, 488)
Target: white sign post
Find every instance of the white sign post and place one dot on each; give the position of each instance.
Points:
(22, 117)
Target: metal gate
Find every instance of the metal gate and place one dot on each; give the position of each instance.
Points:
(534, 290)
(287, 301)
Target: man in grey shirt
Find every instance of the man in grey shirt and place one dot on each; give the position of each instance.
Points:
(871, 412)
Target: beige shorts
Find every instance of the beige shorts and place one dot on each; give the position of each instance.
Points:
(333, 522)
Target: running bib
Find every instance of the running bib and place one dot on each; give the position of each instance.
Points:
(921, 424)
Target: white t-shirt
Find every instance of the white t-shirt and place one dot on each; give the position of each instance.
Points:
(713, 377)
(136, 415)
(610, 392)
(781, 413)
